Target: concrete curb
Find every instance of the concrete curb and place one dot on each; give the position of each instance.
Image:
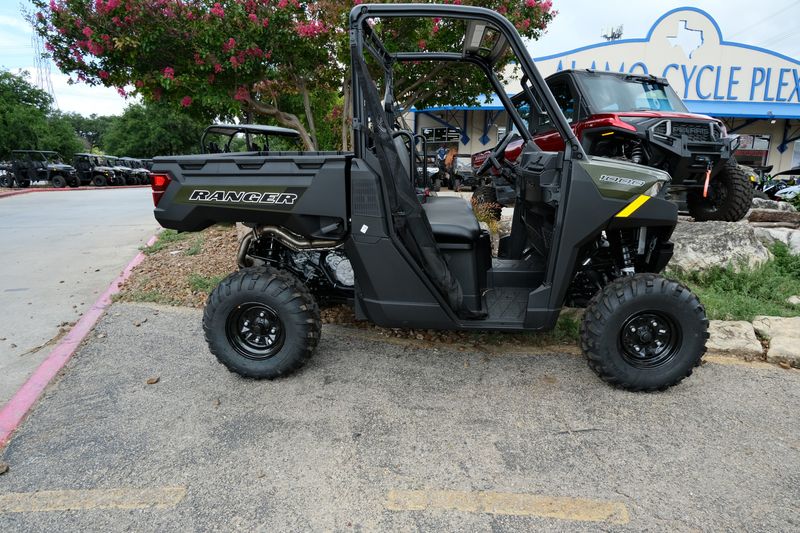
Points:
(17, 408)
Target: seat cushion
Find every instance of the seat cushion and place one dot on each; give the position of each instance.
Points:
(452, 219)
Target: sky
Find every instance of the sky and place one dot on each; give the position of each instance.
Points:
(771, 24)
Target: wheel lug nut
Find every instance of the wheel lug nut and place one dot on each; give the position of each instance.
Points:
(633, 329)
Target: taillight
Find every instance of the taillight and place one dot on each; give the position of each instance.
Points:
(159, 184)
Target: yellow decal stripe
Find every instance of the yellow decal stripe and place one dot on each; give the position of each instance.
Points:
(633, 206)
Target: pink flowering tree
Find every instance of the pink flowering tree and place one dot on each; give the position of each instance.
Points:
(283, 60)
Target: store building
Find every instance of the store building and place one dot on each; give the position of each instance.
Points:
(755, 91)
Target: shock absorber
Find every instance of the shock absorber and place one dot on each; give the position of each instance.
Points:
(627, 250)
(636, 152)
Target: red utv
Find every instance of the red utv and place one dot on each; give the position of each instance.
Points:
(640, 119)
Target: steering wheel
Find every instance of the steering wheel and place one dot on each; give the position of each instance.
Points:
(496, 155)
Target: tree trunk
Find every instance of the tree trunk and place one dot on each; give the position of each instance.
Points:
(301, 84)
(347, 113)
(285, 119)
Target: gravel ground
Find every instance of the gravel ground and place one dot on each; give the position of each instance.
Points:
(325, 449)
(166, 275)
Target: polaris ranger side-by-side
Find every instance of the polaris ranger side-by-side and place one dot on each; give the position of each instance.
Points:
(28, 166)
(92, 170)
(640, 119)
(584, 228)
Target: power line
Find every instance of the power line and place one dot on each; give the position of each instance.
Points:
(768, 17)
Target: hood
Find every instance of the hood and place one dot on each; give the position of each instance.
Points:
(660, 114)
(103, 169)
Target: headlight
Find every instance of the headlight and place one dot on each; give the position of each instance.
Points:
(655, 189)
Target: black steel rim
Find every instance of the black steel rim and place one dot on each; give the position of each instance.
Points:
(255, 330)
(649, 339)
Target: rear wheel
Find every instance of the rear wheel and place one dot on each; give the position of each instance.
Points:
(75, 182)
(6, 181)
(644, 333)
(99, 180)
(59, 182)
(486, 197)
(24, 184)
(730, 195)
(262, 323)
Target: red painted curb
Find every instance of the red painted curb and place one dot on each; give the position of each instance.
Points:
(17, 408)
(17, 192)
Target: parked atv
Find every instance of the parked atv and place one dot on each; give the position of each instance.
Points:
(92, 170)
(640, 119)
(138, 174)
(123, 175)
(28, 166)
(585, 229)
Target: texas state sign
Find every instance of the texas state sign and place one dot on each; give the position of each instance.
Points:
(713, 76)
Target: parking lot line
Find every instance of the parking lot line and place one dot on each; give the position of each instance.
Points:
(509, 503)
(84, 500)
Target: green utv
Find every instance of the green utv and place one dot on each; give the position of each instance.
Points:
(585, 229)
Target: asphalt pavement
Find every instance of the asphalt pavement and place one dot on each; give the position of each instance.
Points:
(60, 250)
(379, 436)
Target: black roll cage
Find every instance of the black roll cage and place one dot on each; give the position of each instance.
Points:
(362, 36)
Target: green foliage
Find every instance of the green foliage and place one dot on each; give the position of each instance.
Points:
(91, 129)
(204, 284)
(795, 202)
(729, 295)
(27, 121)
(60, 136)
(196, 247)
(150, 130)
(17, 90)
(165, 238)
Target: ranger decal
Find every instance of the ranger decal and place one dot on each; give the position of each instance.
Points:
(240, 197)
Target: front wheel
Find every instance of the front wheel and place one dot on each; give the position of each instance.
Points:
(6, 181)
(59, 182)
(99, 180)
(644, 333)
(261, 322)
(729, 197)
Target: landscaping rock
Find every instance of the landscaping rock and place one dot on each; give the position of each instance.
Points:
(789, 237)
(703, 245)
(762, 203)
(734, 338)
(793, 300)
(784, 350)
(784, 338)
(773, 215)
(769, 327)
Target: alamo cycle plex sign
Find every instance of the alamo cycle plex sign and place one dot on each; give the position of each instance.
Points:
(713, 76)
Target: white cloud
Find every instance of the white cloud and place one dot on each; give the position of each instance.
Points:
(16, 23)
(82, 98)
